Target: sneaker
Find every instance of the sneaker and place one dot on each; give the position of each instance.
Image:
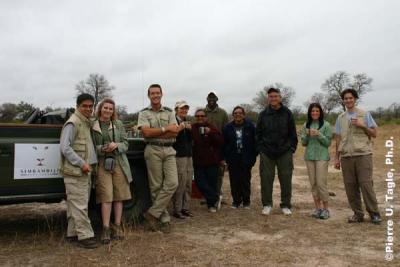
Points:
(316, 213)
(212, 209)
(187, 213)
(105, 235)
(88, 243)
(376, 218)
(286, 211)
(266, 210)
(246, 206)
(219, 202)
(324, 215)
(117, 232)
(152, 221)
(234, 206)
(355, 219)
(165, 227)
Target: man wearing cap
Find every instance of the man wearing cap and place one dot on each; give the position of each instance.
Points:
(184, 163)
(276, 140)
(159, 129)
(219, 118)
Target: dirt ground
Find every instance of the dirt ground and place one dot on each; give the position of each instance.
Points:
(33, 234)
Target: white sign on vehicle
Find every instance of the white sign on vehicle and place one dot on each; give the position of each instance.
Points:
(37, 161)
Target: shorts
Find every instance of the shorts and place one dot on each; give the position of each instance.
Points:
(111, 186)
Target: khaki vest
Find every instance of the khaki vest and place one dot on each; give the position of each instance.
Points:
(80, 146)
(354, 141)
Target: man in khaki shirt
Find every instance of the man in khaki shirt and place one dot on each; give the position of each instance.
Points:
(159, 129)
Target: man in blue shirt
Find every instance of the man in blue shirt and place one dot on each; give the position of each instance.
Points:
(355, 129)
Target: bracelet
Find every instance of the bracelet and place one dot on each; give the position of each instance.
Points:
(162, 129)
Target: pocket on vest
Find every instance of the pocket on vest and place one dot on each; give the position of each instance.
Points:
(71, 170)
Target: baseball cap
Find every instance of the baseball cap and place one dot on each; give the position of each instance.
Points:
(212, 93)
(181, 104)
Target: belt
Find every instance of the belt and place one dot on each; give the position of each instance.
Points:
(160, 144)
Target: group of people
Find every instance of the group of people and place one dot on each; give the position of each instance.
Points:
(178, 149)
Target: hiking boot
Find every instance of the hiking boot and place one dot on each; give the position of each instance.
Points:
(355, 219)
(286, 211)
(178, 215)
(117, 232)
(71, 239)
(316, 213)
(88, 243)
(376, 218)
(152, 221)
(165, 227)
(105, 235)
(266, 210)
(187, 213)
(324, 215)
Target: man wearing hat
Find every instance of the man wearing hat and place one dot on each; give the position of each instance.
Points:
(219, 118)
(276, 140)
(184, 163)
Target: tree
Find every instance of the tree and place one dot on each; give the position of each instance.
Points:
(297, 111)
(334, 86)
(287, 93)
(326, 101)
(251, 114)
(24, 109)
(122, 112)
(97, 86)
(362, 83)
(339, 81)
(8, 112)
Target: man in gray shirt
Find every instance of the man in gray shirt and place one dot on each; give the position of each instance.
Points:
(77, 157)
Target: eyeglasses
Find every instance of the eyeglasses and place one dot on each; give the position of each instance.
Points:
(87, 106)
(200, 116)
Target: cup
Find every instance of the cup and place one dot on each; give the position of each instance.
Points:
(202, 130)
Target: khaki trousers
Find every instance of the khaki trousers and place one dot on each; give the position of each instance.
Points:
(163, 178)
(183, 193)
(78, 193)
(357, 175)
(317, 174)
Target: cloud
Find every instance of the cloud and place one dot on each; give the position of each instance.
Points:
(192, 47)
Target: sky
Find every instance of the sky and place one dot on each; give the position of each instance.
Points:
(193, 47)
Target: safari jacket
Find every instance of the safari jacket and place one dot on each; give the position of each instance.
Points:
(120, 139)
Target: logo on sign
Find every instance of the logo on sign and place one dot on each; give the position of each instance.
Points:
(40, 159)
(37, 161)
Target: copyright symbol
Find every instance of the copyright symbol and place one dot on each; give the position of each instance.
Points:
(389, 257)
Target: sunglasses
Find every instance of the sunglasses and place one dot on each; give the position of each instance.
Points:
(200, 116)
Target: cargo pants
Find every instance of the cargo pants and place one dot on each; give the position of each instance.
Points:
(78, 194)
(357, 176)
(183, 193)
(284, 164)
(163, 178)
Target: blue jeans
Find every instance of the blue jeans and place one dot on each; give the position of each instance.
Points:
(206, 181)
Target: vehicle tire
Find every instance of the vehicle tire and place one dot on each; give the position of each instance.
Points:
(141, 198)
